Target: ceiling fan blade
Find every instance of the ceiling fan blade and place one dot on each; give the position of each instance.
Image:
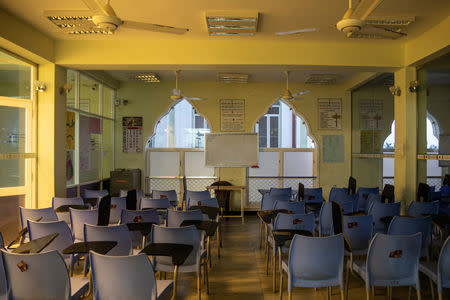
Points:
(364, 8)
(154, 27)
(301, 93)
(296, 31)
(100, 7)
(390, 20)
(194, 98)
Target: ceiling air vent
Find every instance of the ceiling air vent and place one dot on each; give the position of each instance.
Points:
(322, 79)
(146, 77)
(232, 77)
(232, 23)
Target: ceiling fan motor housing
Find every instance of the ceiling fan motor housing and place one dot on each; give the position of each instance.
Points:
(108, 23)
(350, 25)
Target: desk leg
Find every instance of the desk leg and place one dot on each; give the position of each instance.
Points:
(274, 270)
(208, 251)
(281, 272)
(242, 205)
(143, 241)
(175, 272)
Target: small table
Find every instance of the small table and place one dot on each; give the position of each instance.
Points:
(313, 206)
(144, 227)
(178, 252)
(212, 212)
(267, 215)
(101, 247)
(66, 208)
(241, 188)
(37, 245)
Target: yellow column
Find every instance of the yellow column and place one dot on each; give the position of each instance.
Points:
(405, 106)
(51, 170)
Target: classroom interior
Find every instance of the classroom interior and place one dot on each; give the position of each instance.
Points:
(129, 105)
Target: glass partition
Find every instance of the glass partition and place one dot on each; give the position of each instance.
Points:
(373, 133)
(15, 77)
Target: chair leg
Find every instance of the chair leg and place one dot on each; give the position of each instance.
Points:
(419, 297)
(367, 295)
(281, 284)
(342, 295)
(347, 283)
(409, 293)
(290, 295)
(431, 288)
(267, 259)
(207, 280)
(387, 293)
(440, 296)
(199, 286)
(372, 292)
(274, 270)
(218, 241)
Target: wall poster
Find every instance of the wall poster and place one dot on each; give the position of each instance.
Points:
(330, 113)
(70, 130)
(132, 134)
(370, 114)
(232, 115)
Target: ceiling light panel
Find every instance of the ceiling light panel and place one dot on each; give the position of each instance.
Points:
(321, 79)
(146, 77)
(232, 23)
(232, 77)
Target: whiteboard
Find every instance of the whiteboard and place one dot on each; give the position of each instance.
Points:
(231, 149)
(194, 165)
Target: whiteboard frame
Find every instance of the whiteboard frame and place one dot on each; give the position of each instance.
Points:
(233, 133)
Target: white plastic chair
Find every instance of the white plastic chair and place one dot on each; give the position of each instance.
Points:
(95, 193)
(379, 210)
(126, 277)
(192, 197)
(392, 260)
(294, 207)
(315, 262)
(46, 214)
(405, 226)
(358, 232)
(61, 242)
(438, 272)
(80, 217)
(118, 233)
(188, 235)
(175, 218)
(169, 194)
(326, 219)
(41, 276)
(138, 216)
(117, 205)
(58, 201)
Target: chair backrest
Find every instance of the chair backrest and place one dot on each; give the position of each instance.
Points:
(138, 216)
(122, 277)
(294, 207)
(131, 199)
(175, 217)
(336, 192)
(160, 203)
(393, 260)
(351, 186)
(117, 205)
(188, 235)
(58, 201)
(40, 229)
(267, 203)
(443, 271)
(315, 259)
(3, 284)
(314, 195)
(169, 194)
(36, 276)
(206, 202)
(95, 193)
(347, 202)
(281, 193)
(371, 199)
(104, 210)
(2, 242)
(80, 217)
(195, 196)
(118, 233)
(380, 210)
(47, 214)
(406, 226)
(416, 209)
(387, 196)
(358, 231)
(295, 221)
(422, 192)
(363, 195)
(326, 219)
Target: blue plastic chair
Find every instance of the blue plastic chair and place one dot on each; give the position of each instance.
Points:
(363, 194)
(294, 207)
(95, 193)
(416, 209)
(3, 284)
(392, 260)
(372, 198)
(197, 196)
(45, 277)
(405, 226)
(315, 262)
(57, 202)
(46, 214)
(313, 195)
(380, 210)
(297, 221)
(159, 203)
(138, 216)
(358, 232)
(348, 202)
(336, 192)
(169, 194)
(2, 242)
(175, 218)
(80, 217)
(118, 233)
(326, 219)
(438, 272)
(284, 194)
(126, 277)
(267, 203)
(117, 205)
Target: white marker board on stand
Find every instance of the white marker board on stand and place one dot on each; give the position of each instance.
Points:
(234, 150)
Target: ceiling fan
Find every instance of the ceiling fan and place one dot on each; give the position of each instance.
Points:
(100, 19)
(287, 95)
(356, 22)
(176, 92)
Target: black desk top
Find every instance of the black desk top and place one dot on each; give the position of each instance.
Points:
(282, 235)
(144, 227)
(267, 215)
(442, 221)
(212, 212)
(65, 208)
(178, 252)
(313, 206)
(37, 245)
(208, 226)
(101, 247)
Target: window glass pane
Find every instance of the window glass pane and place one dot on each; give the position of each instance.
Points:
(12, 129)
(262, 124)
(274, 132)
(15, 77)
(70, 147)
(108, 102)
(107, 144)
(71, 80)
(12, 172)
(89, 95)
(89, 160)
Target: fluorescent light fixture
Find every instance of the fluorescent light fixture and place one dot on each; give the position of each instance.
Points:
(146, 77)
(232, 77)
(232, 22)
(321, 79)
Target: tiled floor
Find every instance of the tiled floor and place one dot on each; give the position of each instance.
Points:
(240, 272)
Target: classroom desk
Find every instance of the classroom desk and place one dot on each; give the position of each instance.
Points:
(241, 188)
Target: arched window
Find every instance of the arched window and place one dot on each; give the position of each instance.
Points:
(181, 127)
(281, 127)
